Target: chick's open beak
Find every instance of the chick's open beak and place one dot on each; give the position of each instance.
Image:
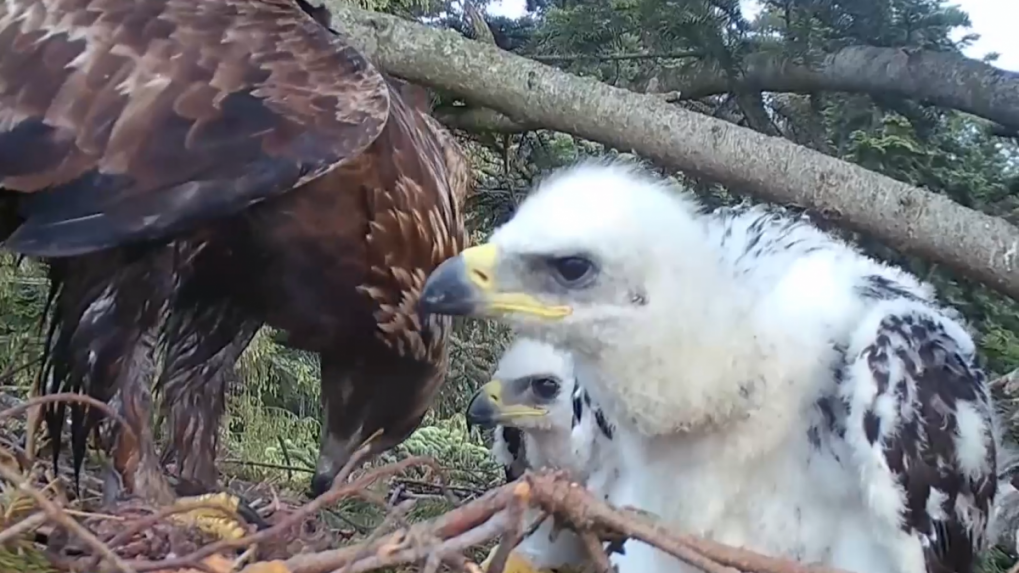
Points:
(466, 285)
(487, 407)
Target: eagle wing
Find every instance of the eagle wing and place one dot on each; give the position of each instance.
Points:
(128, 120)
(415, 223)
(921, 428)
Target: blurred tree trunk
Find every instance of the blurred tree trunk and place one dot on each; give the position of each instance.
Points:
(904, 217)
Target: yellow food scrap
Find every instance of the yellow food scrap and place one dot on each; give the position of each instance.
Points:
(214, 514)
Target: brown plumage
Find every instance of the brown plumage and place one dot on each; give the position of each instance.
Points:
(198, 169)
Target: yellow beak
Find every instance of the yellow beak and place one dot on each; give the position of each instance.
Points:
(487, 408)
(466, 285)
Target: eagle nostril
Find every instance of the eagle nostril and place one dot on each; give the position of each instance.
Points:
(480, 278)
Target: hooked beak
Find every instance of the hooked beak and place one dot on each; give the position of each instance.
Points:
(333, 456)
(487, 408)
(466, 285)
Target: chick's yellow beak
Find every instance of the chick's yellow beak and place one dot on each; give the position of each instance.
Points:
(487, 407)
(466, 285)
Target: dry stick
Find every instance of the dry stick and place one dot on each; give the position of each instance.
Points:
(25, 526)
(249, 553)
(464, 488)
(338, 492)
(93, 515)
(269, 466)
(451, 524)
(148, 521)
(493, 527)
(69, 397)
(489, 516)
(511, 537)
(433, 562)
(596, 551)
(11, 371)
(54, 512)
(555, 492)
(397, 514)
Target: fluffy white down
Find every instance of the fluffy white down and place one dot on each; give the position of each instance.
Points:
(555, 441)
(714, 377)
(547, 438)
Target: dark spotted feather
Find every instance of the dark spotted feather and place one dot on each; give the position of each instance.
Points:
(517, 448)
(127, 120)
(920, 421)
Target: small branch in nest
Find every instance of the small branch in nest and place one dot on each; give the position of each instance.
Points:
(59, 517)
(338, 492)
(468, 490)
(446, 551)
(514, 532)
(444, 538)
(596, 552)
(282, 467)
(69, 397)
(497, 513)
(465, 519)
(144, 523)
(397, 515)
(23, 527)
(556, 493)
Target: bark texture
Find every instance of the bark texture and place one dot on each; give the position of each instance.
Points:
(771, 168)
(480, 120)
(941, 78)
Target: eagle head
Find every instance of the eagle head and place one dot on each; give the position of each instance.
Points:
(617, 267)
(377, 403)
(531, 390)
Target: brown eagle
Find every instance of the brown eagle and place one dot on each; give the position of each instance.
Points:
(194, 170)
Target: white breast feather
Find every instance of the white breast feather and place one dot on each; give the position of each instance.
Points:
(857, 432)
(576, 438)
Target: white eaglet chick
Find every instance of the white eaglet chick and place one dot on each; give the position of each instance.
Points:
(533, 403)
(771, 386)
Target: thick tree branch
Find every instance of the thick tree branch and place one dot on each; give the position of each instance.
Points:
(483, 120)
(942, 78)
(545, 58)
(774, 169)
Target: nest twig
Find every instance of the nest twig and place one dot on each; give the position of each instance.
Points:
(497, 513)
(445, 540)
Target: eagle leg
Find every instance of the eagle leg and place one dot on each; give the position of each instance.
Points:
(194, 384)
(134, 454)
(134, 457)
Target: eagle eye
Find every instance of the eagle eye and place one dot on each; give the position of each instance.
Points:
(572, 270)
(545, 388)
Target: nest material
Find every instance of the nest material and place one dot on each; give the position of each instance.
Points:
(43, 529)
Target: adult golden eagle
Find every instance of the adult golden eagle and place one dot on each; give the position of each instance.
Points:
(148, 150)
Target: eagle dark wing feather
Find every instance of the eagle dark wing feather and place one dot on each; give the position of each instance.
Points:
(105, 309)
(130, 120)
(921, 426)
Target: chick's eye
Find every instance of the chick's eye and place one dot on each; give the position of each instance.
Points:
(546, 388)
(572, 269)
